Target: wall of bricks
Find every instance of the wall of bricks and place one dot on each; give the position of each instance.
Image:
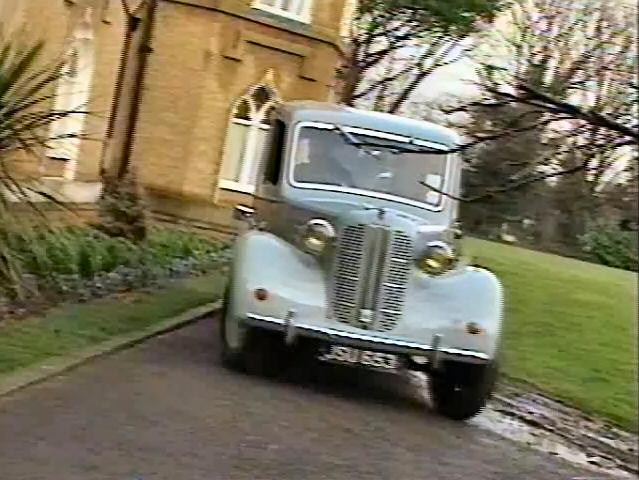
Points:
(203, 60)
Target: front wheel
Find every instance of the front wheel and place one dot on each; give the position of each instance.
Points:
(460, 391)
(232, 358)
(259, 352)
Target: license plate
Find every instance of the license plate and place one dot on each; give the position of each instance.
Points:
(355, 356)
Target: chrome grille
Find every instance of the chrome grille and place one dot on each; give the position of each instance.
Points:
(394, 281)
(348, 265)
(351, 266)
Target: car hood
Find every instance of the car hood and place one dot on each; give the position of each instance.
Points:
(420, 224)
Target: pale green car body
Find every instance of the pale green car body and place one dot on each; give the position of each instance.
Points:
(412, 314)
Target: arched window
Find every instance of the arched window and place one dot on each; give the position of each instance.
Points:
(245, 138)
(72, 95)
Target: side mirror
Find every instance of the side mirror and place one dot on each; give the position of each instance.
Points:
(242, 212)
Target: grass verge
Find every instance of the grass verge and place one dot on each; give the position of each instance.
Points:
(72, 327)
(570, 329)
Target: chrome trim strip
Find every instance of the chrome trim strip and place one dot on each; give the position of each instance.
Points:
(332, 333)
(399, 260)
(348, 267)
(375, 249)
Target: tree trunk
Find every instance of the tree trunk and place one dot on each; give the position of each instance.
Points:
(352, 77)
(351, 80)
(120, 206)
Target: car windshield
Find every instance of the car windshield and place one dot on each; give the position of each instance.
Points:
(363, 161)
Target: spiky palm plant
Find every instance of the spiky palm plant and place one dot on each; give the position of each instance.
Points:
(27, 88)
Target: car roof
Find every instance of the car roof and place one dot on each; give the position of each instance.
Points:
(299, 111)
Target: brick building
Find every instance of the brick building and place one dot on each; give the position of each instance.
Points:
(213, 71)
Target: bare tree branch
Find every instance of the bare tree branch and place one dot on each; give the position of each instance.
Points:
(435, 61)
(575, 111)
(492, 192)
(385, 29)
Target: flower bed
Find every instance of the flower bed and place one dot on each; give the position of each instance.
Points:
(78, 264)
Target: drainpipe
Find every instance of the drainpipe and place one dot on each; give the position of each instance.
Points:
(143, 53)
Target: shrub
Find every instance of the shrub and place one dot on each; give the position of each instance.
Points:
(167, 245)
(608, 244)
(74, 253)
(121, 209)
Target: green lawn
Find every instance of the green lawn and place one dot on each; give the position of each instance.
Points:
(72, 327)
(570, 328)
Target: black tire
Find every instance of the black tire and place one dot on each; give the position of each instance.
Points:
(262, 352)
(460, 391)
(231, 358)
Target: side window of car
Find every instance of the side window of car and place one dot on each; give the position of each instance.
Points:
(275, 154)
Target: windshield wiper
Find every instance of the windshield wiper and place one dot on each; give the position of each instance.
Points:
(351, 140)
(395, 148)
(414, 148)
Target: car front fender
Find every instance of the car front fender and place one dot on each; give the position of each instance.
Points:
(292, 279)
(446, 305)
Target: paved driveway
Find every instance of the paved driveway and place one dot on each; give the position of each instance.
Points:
(167, 410)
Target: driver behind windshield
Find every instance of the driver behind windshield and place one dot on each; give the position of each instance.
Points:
(318, 160)
(377, 164)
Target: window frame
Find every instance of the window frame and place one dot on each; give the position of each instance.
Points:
(305, 16)
(254, 125)
(240, 186)
(73, 91)
(446, 187)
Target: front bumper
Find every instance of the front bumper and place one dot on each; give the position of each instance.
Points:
(293, 329)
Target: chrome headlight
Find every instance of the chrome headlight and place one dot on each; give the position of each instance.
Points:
(438, 258)
(317, 235)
